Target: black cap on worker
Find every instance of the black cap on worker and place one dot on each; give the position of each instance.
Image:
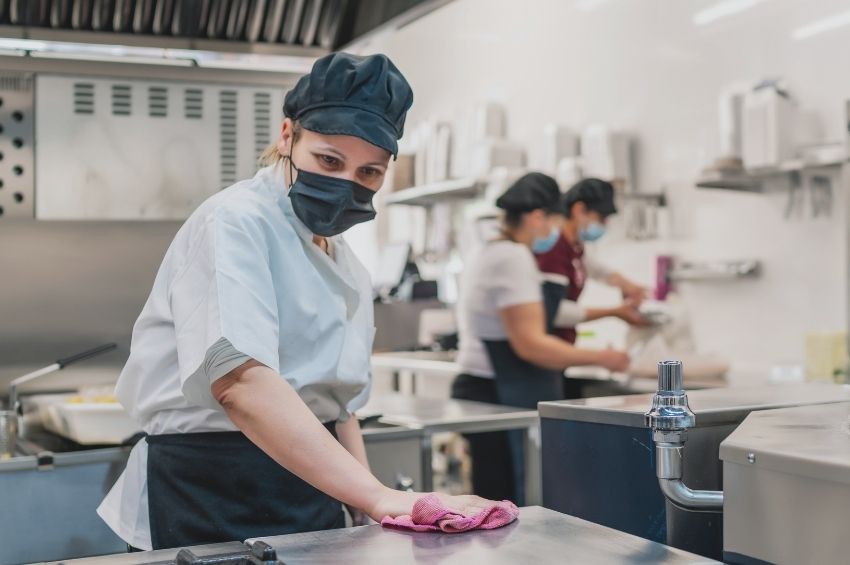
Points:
(532, 191)
(345, 94)
(597, 195)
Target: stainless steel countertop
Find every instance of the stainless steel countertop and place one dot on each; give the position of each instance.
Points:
(808, 441)
(437, 414)
(145, 557)
(539, 536)
(443, 363)
(417, 361)
(711, 406)
(405, 416)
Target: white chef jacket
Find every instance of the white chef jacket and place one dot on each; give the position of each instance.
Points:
(503, 274)
(245, 269)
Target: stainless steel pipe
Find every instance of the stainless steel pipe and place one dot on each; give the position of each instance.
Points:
(669, 418)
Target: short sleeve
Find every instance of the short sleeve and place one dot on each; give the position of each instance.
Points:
(569, 314)
(515, 279)
(221, 359)
(224, 291)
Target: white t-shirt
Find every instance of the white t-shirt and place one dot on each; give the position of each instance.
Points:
(245, 270)
(503, 274)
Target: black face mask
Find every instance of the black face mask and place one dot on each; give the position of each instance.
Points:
(329, 205)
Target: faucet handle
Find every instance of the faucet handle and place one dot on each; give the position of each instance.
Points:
(670, 376)
(670, 410)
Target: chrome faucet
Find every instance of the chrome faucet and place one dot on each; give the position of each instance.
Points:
(669, 418)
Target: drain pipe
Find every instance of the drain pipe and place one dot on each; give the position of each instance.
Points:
(669, 419)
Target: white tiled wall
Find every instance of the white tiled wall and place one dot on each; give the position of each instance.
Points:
(645, 67)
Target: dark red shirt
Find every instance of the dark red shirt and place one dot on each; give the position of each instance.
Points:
(564, 264)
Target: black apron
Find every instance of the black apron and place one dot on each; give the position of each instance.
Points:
(219, 486)
(518, 382)
(523, 384)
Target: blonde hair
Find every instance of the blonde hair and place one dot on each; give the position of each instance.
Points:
(271, 155)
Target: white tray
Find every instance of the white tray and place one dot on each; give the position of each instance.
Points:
(91, 423)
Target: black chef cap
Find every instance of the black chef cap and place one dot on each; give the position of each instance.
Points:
(345, 94)
(597, 195)
(531, 192)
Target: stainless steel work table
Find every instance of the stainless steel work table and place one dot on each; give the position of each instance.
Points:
(435, 415)
(408, 366)
(539, 536)
(57, 503)
(712, 406)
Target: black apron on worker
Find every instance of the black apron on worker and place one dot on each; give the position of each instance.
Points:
(516, 382)
(219, 486)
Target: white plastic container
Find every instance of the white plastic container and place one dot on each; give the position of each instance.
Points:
(768, 122)
(91, 423)
(491, 154)
(559, 142)
(607, 155)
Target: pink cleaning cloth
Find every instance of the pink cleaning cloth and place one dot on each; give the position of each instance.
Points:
(429, 515)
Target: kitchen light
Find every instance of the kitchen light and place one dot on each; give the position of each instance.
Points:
(108, 58)
(22, 44)
(826, 24)
(723, 9)
(156, 56)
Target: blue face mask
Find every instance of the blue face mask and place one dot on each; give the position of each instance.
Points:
(542, 245)
(592, 232)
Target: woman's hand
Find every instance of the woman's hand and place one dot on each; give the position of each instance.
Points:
(629, 313)
(397, 503)
(614, 360)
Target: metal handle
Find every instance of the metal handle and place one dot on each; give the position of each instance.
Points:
(670, 376)
(85, 355)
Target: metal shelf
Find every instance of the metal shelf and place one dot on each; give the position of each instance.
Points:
(654, 198)
(752, 180)
(435, 193)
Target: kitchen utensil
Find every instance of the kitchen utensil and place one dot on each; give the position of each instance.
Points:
(9, 419)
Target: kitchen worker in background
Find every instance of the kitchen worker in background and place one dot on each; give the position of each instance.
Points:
(251, 355)
(505, 352)
(586, 208)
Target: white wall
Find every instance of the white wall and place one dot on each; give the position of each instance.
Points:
(643, 66)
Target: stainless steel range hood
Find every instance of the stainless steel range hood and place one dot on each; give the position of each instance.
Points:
(307, 28)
